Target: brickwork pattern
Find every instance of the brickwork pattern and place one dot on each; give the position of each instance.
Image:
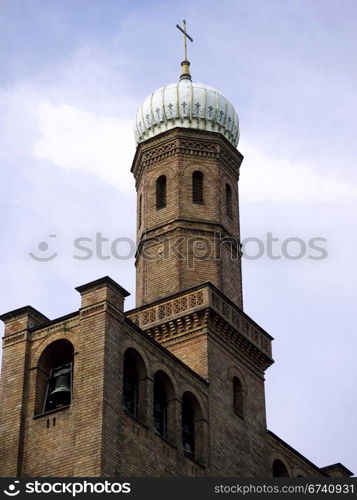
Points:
(192, 229)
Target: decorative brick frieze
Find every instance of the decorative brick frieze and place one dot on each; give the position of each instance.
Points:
(184, 315)
(63, 326)
(207, 145)
(12, 339)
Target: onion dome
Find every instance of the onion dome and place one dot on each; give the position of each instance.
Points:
(186, 104)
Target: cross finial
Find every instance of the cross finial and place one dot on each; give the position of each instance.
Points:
(185, 63)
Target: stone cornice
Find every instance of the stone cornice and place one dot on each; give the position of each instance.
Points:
(40, 332)
(65, 325)
(186, 142)
(188, 313)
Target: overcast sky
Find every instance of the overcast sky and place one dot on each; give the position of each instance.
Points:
(73, 73)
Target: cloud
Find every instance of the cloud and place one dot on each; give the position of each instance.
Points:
(268, 179)
(74, 138)
(78, 139)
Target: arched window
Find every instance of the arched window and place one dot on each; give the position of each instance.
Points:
(229, 209)
(279, 469)
(161, 192)
(188, 427)
(192, 422)
(140, 210)
(130, 387)
(164, 406)
(160, 407)
(238, 397)
(197, 187)
(134, 384)
(54, 377)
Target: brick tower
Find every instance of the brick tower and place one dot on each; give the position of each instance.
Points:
(186, 170)
(174, 387)
(188, 263)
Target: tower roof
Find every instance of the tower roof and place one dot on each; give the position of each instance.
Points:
(189, 105)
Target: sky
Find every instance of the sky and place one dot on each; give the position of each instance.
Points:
(73, 73)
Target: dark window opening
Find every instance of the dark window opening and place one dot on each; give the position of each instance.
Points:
(160, 407)
(238, 396)
(188, 428)
(193, 440)
(54, 377)
(140, 210)
(161, 192)
(229, 208)
(279, 469)
(197, 187)
(134, 397)
(130, 387)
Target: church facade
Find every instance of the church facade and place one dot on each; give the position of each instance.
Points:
(174, 387)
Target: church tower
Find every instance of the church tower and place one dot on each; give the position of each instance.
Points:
(186, 170)
(188, 262)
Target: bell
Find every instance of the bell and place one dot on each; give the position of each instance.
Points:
(61, 394)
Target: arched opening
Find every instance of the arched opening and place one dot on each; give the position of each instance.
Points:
(54, 377)
(164, 406)
(192, 426)
(140, 210)
(160, 407)
(238, 400)
(131, 387)
(134, 384)
(229, 209)
(197, 187)
(279, 469)
(161, 192)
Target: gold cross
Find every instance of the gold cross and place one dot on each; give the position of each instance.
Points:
(185, 36)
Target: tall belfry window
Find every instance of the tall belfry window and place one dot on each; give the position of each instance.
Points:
(192, 427)
(134, 396)
(160, 406)
(140, 210)
(237, 397)
(161, 192)
(54, 377)
(130, 386)
(229, 209)
(188, 427)
(197, 187)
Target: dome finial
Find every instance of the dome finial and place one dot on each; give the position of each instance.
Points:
(185, 65)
